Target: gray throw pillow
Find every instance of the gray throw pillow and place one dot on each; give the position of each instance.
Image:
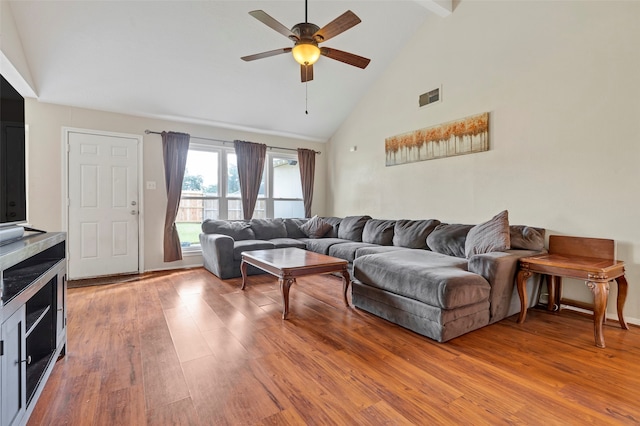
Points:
(351, 228)
(238, 230)
(335, 224)
(315, 228)
(413, 233)
(489, 236)
(526, 238)
(449, 239)
(267, 229)
(293, 227)
(378, 231)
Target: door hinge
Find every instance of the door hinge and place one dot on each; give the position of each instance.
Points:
(1, 347)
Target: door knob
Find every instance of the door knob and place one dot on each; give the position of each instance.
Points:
(133, 212)
(133, 203)
(28, 360)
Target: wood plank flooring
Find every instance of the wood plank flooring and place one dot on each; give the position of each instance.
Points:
(184, 348)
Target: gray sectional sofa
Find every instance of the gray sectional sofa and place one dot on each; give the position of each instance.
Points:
(440, 280)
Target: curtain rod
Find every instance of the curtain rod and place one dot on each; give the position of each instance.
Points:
(226, 142)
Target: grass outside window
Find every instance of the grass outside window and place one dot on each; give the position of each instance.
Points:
(189, 233)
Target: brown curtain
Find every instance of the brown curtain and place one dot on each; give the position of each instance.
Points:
(250, 157)
(307, 160)
(175, 147)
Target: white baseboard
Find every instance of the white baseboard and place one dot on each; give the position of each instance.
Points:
(634, 321)
(173, 269)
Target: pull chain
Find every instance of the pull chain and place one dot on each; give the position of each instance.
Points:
(306, 97)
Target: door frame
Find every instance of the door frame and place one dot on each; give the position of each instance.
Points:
(65, 184)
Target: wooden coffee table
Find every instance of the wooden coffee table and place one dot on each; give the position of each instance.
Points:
(289, 263)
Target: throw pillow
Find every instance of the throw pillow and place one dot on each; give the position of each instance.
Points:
(526, 238)
(293, 227)
(413, 233)
(489, 236)
(268, 229)
(315, 228)
(238, 230)
(449, 239)
(335, 224)
(351, 228)
(377, 231)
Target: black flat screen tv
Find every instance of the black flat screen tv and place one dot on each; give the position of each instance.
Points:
(13, 193)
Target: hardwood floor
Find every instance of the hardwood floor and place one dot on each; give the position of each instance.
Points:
(185, 348)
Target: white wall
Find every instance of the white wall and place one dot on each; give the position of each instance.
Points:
(46, 158)
(560, 81)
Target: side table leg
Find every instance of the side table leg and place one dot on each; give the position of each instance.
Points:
(622, 298)
(285, 285)
(552, 289)
(346, 280)
(600, 292)
(523, 276)
(243, 271)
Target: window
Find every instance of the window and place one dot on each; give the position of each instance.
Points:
(286, 199)
(200, 197)
(211, 190)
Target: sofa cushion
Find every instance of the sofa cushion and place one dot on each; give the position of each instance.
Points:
(492, 235)
(266, 229)
(347, 251)
(335, 223)
(377, 231)
(363, 251)
(315, 228)
(449, 239)
(293, 227)
(248, 245)
(435, 279)
(413, 233)
(321, 245)
(351, 228)
(526, 238)
(287, 242)
(238, 230)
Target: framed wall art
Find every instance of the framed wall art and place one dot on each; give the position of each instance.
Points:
(465, 136)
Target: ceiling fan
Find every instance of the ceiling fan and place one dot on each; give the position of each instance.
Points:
(306, 37)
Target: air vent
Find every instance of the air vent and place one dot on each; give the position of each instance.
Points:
(430, 97)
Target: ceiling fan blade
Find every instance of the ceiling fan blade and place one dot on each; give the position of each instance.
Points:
(266, 19)
(266, 54)
(346, 57)
(339, 25)
(306, 73)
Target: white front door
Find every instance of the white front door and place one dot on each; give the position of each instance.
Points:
(103, 204)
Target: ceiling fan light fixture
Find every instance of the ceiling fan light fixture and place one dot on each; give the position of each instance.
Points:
(306, 53)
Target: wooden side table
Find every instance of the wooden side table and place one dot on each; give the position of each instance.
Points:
(588, 259)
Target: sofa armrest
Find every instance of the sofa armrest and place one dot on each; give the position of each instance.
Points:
(217, 254)
(499, 268)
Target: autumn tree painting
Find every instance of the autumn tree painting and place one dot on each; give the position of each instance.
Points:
(459, 137)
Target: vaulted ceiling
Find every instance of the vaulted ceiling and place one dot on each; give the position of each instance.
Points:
(180, 60)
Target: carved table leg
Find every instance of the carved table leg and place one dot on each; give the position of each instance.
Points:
(622, 297)
(523, 276)
(285, 285)
(346, 280)
(243, 271)
(600, 292)
(554, 283)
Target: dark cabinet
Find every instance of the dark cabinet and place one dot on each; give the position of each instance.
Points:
(33, 320)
